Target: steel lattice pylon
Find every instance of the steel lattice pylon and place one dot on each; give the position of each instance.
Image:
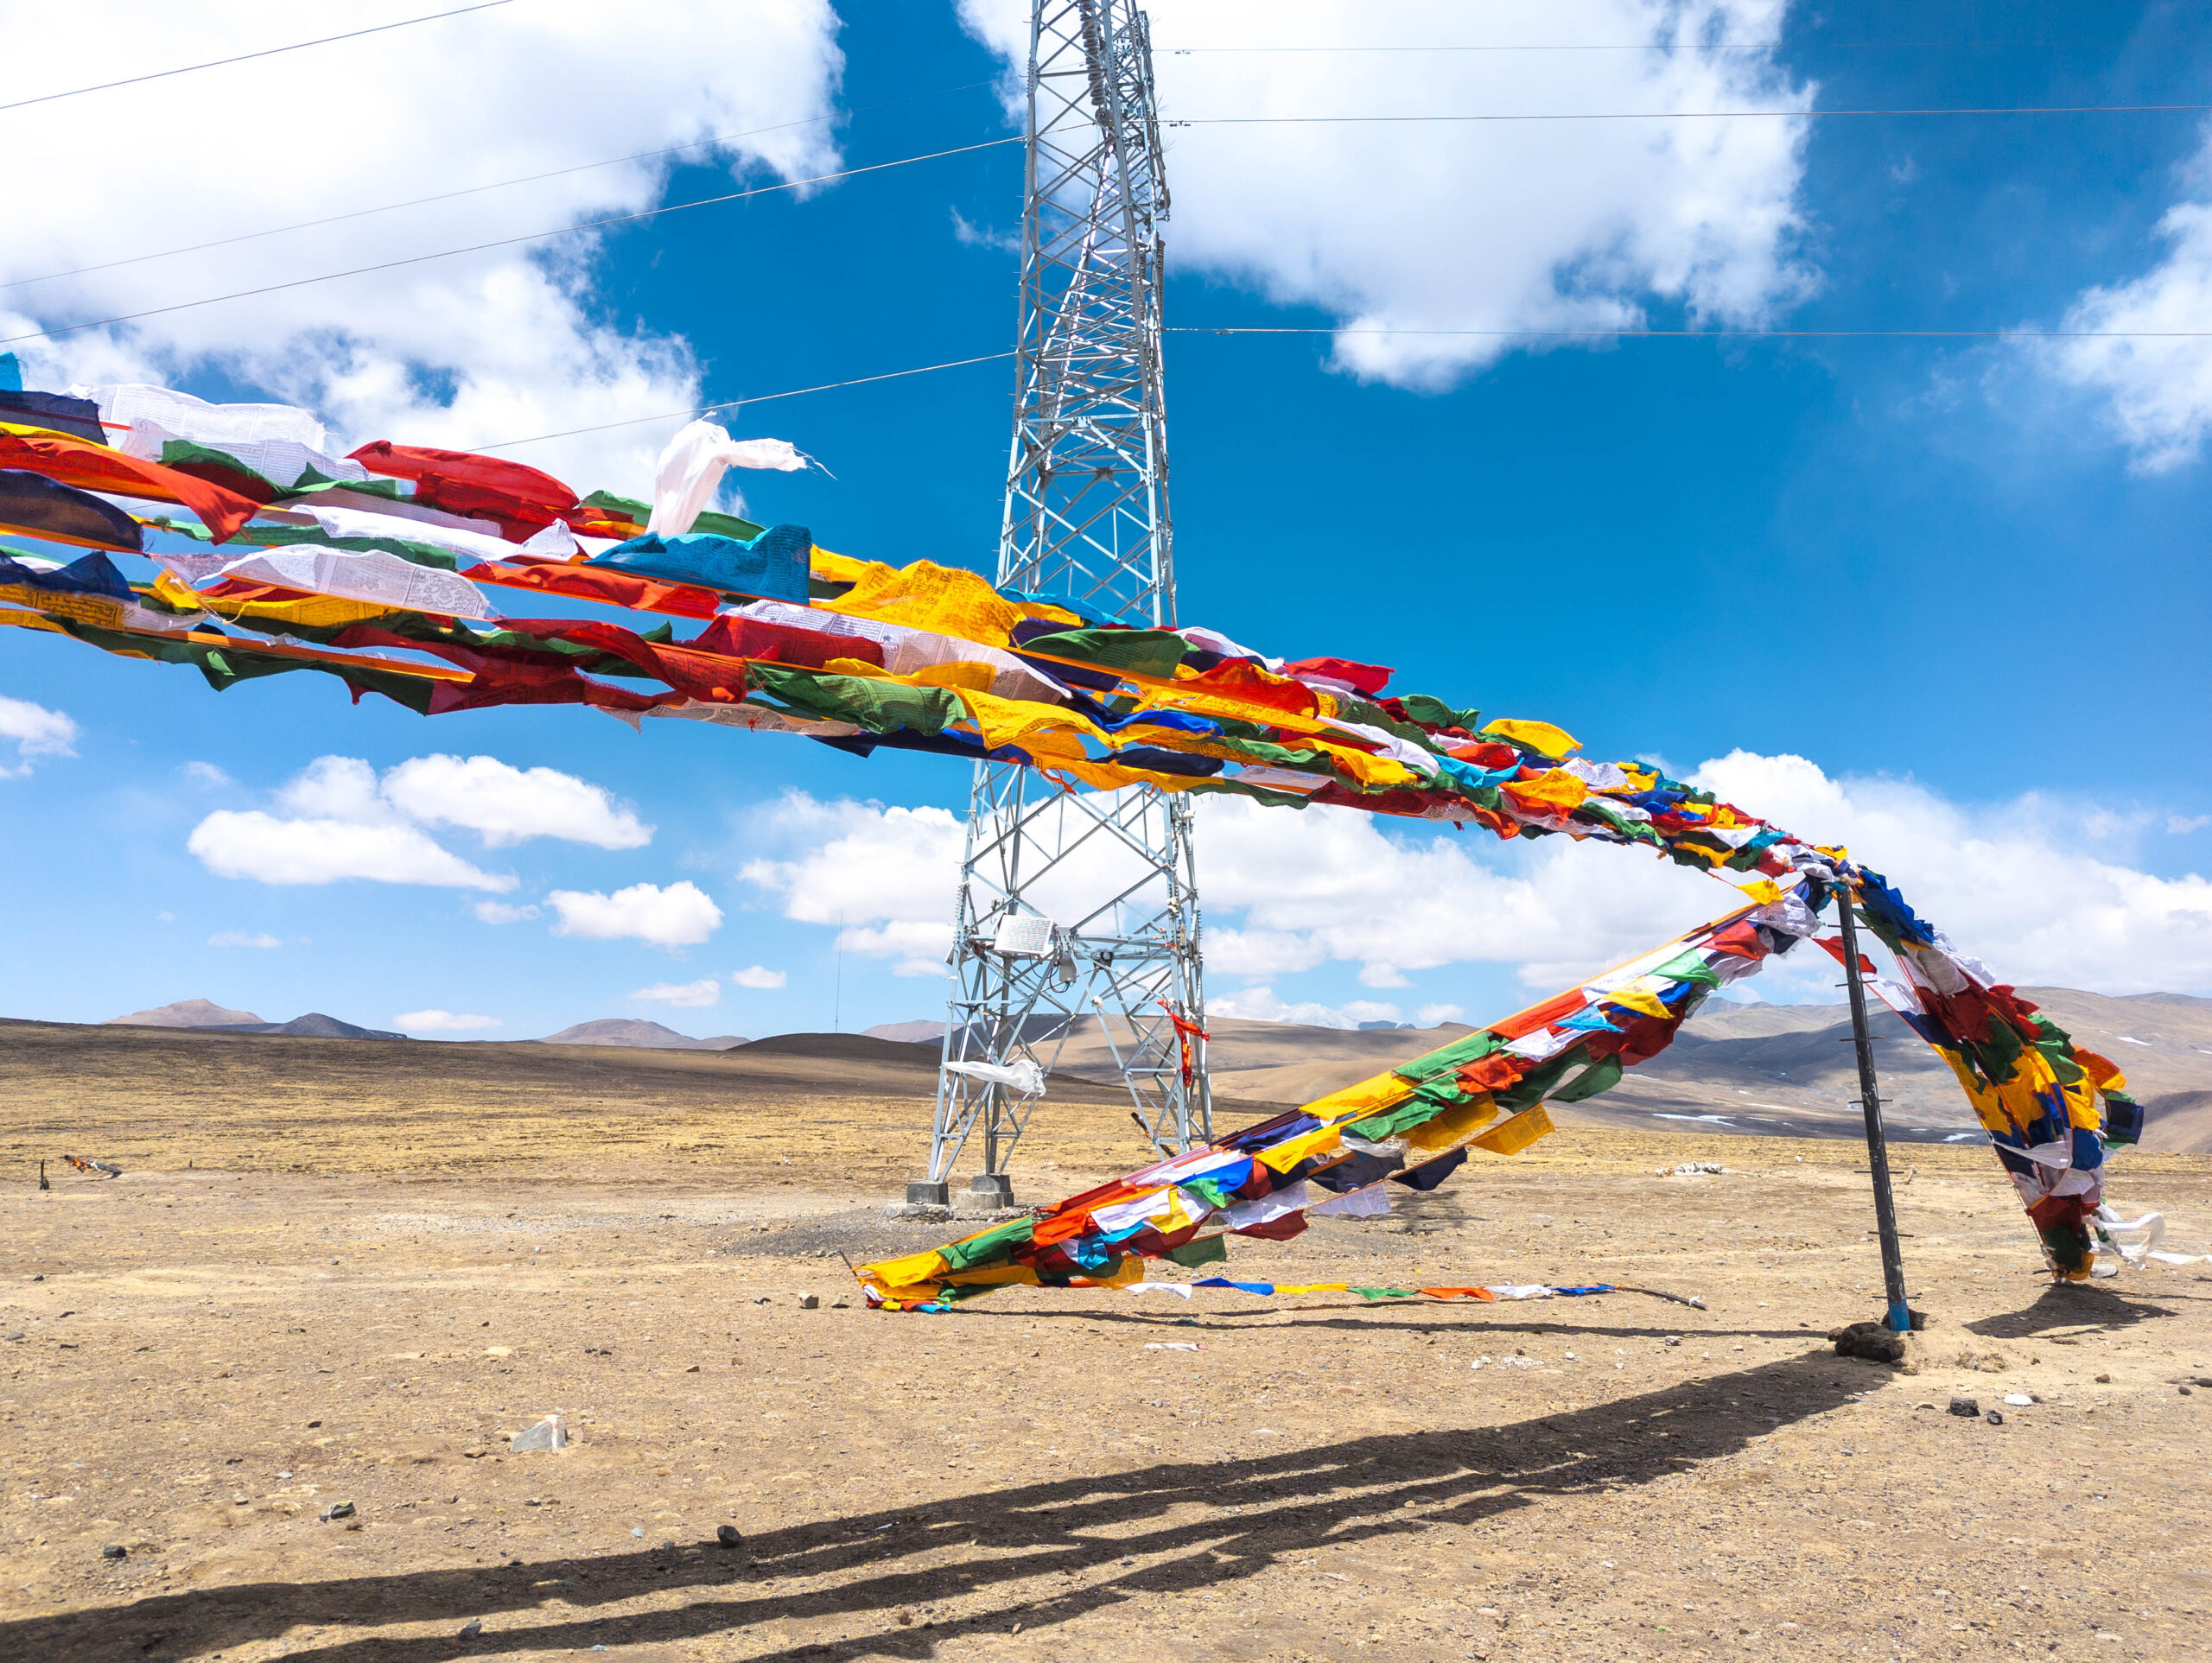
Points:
(1081, 908)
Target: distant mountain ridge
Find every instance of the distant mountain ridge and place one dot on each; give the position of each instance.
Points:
(188, 1013)
(637, 1032)
(210, 1018)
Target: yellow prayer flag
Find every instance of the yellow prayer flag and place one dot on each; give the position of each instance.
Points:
(1552, 741)
(1516, 1133)
(1445, 1129)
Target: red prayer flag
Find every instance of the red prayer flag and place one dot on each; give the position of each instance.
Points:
(95, 468)
(521, 500)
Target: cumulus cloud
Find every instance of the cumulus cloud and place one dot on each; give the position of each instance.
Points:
(2156, 394)
(479, 348)
(1261, 1005)
(252, 844)
(2027, 885)
(681, 915)
(1261, 953)
(242, 939)
(507, 805)
(1561, 226)
(441, 1022)
(345, 821)
(759, 977)
(37, 733)
(503, 912)
(2010, 882)
(687, 995)
(884, 877)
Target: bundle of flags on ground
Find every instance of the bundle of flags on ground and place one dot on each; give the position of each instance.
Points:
(265, 555)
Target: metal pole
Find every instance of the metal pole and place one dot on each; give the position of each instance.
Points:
(1877, 1149)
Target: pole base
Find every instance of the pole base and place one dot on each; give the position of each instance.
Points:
(923, 1193)
(991, 1189)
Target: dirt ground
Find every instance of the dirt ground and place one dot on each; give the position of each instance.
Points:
(281, 1307)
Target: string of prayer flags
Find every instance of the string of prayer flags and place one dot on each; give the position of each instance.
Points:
(265, 554)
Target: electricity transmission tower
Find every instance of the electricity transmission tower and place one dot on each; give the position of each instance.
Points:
(1080, 909)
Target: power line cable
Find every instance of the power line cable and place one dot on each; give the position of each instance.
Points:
(1705, 115)
(1716, 335)
(1518, 334)
(758, 399)
(473, 190)
(508, 242)
(1663, 46)
(247, 57)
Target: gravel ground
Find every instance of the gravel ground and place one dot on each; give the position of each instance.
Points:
(212, 1359)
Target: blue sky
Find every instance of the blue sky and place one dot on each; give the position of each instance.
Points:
(1963, 581)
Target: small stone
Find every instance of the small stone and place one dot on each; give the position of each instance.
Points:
(550, 1433)
(727, 1536)
(809, 1302)
(2018, 1400)
(841, 1303)
(761, 1300)
(905, 1617)
(1965, 1407)
(336, 1510)
(635, 1531)
(115, 1551)
(2183, 1390)
(1995, 1417)
(471, 1628)
(2104, 1380)
(693, 1369)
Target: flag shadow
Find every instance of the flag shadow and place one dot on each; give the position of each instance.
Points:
(1256, 1510)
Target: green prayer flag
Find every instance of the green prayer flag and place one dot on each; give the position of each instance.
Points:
(1688, 967)
(1601, 1076)
(991, 1247)
(1206, 1250)
(1141, 652)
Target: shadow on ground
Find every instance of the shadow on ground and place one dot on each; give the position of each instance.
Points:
(2071, 1304)
(1136, 1525)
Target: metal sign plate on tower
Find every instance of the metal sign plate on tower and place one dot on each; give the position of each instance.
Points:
(1079, 911)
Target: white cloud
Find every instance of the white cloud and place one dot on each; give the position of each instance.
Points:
(1569, 225)
(688, 995)
(1435, 1016)
(336, 788)
(678, 916)
(2009, 882)
(348, 823)
(502, 912)
(441, 1022)
(2029, 885)
(1261, 1005)
(205, 773)
(2180, 825)
(758, 976)
(1260, 952)
(240, 939)
(489, 346)
(966, 231)
(37, 733)
(508, 805)
(252, 844)
(2157, 393)
(886, 877)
